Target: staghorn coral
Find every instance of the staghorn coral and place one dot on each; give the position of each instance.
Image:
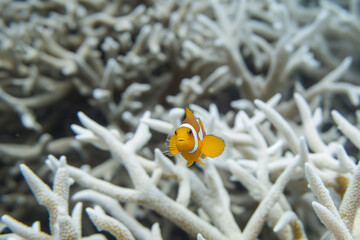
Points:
(279, 80)
(206, 188)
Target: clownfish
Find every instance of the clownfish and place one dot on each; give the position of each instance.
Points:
(190, 140)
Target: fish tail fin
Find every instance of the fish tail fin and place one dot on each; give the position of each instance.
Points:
(199, 161)
(190, 162)
(172, 146)
(212, 146)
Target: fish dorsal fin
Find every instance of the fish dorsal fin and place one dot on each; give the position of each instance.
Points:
(212, 146)
(172, 146)
(189, 113)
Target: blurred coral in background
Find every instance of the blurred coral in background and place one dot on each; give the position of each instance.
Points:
(90, 92)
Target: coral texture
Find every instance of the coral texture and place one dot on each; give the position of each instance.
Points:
(90, 92)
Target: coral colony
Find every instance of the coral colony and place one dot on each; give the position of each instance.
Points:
(92, 92)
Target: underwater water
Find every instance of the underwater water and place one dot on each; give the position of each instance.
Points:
(105, 85)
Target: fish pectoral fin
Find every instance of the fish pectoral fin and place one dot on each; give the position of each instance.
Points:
(212, 146)
(190, 162)
(172, 146)
(199, 161)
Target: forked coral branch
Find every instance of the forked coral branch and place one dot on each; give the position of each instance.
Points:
(145, 192)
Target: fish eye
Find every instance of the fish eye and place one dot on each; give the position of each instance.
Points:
(175, 133)
(190, 132)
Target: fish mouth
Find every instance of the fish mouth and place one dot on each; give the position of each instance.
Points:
(181, 140)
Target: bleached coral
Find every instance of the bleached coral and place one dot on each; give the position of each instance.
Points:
(276, 80)
(213, 198)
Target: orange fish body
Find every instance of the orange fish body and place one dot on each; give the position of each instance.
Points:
(191, 141)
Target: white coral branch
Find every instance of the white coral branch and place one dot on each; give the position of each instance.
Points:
(280, 123)
(104, 222)
(351, 200)
(332, 222)
(113, 207)
(318, 187)
(145, 192)
(312, 134)
(292, 219)
(350, 131)
(23, 230)
(256, 221)
(87, 180)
